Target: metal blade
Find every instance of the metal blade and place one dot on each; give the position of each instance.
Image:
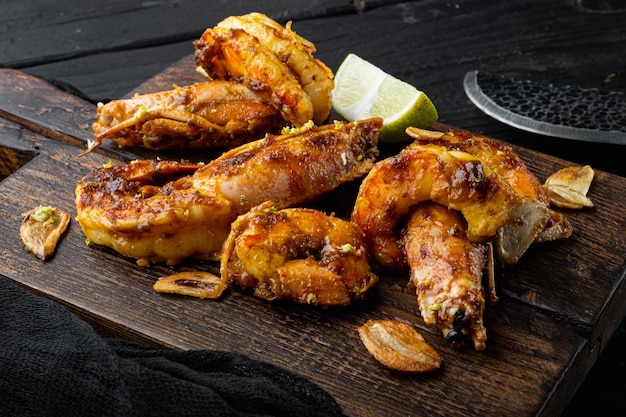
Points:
(568, 112)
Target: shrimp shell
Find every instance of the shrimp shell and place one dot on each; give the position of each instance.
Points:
(166, 211)
(505, 162)
(295, 52)
(233, 54)
(298, 254)
(446, 272)
(452, 178)
(209, 114)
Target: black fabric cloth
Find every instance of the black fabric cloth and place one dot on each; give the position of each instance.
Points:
(52, 363)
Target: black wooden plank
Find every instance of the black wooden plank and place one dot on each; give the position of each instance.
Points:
(114, 74)
(76, 28)
(448, 39)
(445, 40)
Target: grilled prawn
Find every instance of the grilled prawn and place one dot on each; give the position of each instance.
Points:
(455, 179)
(163, 211)
(272, 60)
(296, 53)
(210, 114)
(446, 272)
(263, 76)
(299, 254)
(512, 242)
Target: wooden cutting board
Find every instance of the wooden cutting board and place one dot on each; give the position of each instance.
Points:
(558, 306)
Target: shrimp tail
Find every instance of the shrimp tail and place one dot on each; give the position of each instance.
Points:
(446, 271)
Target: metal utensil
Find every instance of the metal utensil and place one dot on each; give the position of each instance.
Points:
(569, 112)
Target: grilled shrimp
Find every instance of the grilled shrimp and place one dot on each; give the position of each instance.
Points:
(298, 254)
(452, 178)
(497, 155)
(271, 60)
(511, 242)
(446, 272)
(209, 114)
(295, 52)
(162, 211)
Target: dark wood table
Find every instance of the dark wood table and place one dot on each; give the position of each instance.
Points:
(107, 49)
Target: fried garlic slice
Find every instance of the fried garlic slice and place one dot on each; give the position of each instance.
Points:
(399, 346)
(41, 230)
(568, 187)
(195, 284)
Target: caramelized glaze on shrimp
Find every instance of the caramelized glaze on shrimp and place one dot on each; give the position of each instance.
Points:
(452, 178)
(167, 211)
(271, 60)
(210, 114)
(512, 242)
(298, 254)
(499, 156)
(446, 272)
(295, 52)
(263, 76)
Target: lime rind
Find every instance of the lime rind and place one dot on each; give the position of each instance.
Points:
(363, 90)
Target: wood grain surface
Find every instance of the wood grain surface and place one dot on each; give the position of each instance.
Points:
(555, 305)
(565, 297)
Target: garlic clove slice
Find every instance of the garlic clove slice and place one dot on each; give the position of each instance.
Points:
(568, 187)
(41, 230)
(199, 284)
(399, 346)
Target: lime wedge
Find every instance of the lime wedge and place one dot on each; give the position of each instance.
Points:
(362, 90)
